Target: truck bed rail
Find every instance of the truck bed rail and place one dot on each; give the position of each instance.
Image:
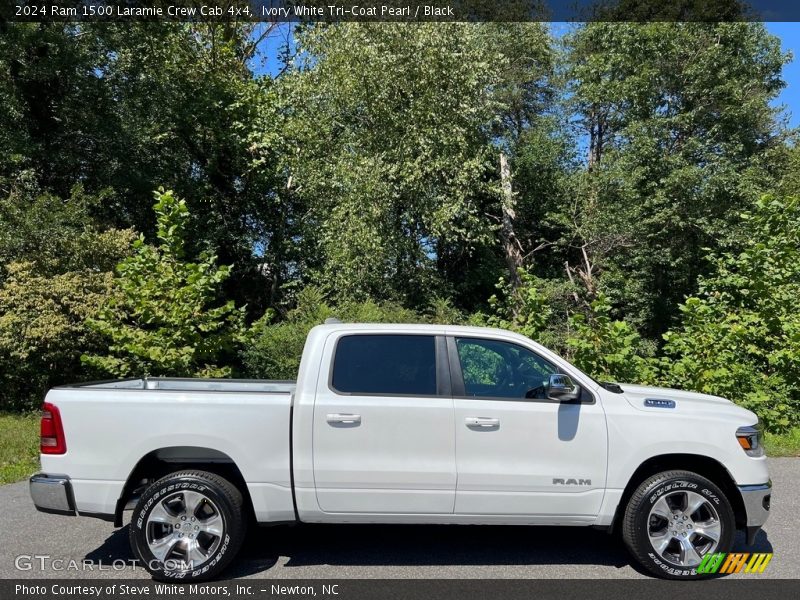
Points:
(191, 384)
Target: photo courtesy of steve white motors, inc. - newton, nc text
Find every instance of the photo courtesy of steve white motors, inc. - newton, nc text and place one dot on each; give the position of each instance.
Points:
(459, 299)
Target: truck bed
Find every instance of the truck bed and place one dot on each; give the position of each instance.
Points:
(112, 426)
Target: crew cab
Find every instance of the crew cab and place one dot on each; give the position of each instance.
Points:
(404, 424)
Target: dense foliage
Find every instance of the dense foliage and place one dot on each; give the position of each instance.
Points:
(274, 348)
(681, 139)
(622, 193)
(57, 273)
(740, 336)
(162, 318)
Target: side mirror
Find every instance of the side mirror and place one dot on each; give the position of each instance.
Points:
(561, 387)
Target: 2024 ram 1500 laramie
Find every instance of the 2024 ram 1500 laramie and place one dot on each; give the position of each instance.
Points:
(404, 424)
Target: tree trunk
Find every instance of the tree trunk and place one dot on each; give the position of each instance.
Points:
(511, 245)
(596, 140)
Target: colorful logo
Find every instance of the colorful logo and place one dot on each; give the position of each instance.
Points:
(735, 562)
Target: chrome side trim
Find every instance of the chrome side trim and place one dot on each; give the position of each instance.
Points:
(52, 493)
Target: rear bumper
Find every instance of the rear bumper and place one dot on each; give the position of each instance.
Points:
(757, 499)
(52, 494)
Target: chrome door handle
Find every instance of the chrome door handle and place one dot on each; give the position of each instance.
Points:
(482, 422)
(346, 419)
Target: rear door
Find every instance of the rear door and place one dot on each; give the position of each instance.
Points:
(383, 439)
(520, 453)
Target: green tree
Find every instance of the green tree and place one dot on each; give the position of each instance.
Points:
(46, 82)
(681, 131)
(529, 129)
(740, 336)
(56, 235)
(171, 104)
(393, 136)
(165, 318)
(391, 157)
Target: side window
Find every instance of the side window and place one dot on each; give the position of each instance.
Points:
(502, 370)
(385, 364)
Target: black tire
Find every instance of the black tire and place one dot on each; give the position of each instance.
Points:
(637, 521)
(219, 497)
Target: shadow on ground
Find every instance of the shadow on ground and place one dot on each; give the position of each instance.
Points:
(416, 545)
(425, 545)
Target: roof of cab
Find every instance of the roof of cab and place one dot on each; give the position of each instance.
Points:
(451, 329)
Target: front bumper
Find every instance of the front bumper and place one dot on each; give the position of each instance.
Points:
(52, 494)
(756, 500)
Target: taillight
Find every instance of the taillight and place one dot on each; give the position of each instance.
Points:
(51, 431)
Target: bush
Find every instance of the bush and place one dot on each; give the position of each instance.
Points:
(56, 273)
(163, 318)
(740, 337)
(545, 311)
(58, 235)
(43, 331)
(524, 309)
(538, 308)
(273, 349)
(607, 349)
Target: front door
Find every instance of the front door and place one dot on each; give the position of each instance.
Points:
(518, 452)
(383, 439)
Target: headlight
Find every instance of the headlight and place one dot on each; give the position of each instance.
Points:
(750, 439)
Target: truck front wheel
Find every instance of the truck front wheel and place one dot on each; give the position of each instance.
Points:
(187, 526)
(673, 520)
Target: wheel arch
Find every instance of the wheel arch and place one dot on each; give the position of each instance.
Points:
(161, 462)
(705, 466)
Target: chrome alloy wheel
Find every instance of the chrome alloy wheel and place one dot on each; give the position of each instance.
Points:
(683, 526)
(184, 527)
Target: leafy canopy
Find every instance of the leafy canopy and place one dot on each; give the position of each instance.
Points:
(682, 134)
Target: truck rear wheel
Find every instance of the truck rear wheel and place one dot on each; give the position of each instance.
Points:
(187, 526)
(673, 520)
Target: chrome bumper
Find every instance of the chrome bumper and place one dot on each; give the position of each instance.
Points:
(756, 500)
(52, 494)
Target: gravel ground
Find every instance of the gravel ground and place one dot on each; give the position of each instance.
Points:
(375, 551)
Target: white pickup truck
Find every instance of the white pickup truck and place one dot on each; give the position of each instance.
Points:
(404, 424)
